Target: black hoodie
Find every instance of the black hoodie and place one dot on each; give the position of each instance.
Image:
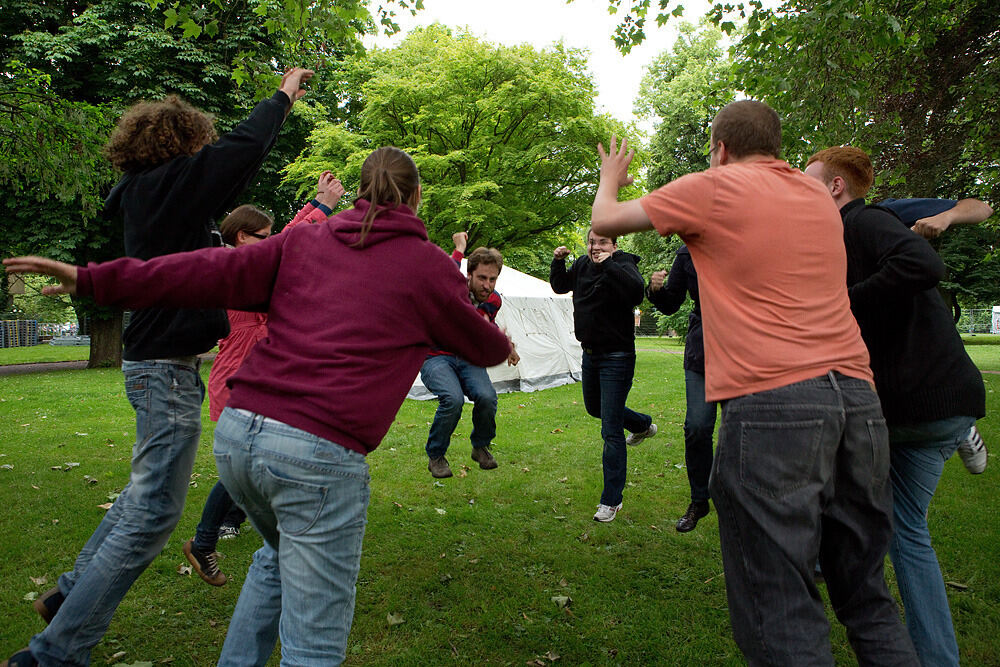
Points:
(172, 208)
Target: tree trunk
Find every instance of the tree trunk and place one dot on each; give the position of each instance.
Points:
(106, 341)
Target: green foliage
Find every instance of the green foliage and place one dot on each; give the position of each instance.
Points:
(504, 137)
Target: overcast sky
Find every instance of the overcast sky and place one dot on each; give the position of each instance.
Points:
(541, 23)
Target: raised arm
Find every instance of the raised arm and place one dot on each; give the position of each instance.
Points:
(609, 216)
(560, 279)
(329, 190)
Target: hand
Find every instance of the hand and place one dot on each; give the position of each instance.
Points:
(461, 241)
(562, 252)
(291, 83)
(66, 273)
(615, 163)
(656, 280)
(601, 255)
(329, 190)
(513, 358)
(931, 228)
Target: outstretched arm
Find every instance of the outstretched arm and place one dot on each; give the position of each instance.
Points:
(965, 212)
(609, 216)
(65, 273)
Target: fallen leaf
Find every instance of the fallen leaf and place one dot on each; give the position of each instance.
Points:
(556, 430)
(473, 561)
(90, 480)
(119, 654)
(35, 487)
(395, 619)
(564, 480)
(105, 506)
(472, 501)
(525, 469)
(7, 466)
(439, 510)
(562, 601)
(584, 537)
(552, 656)
(30, 597)
(39, 581)
(462, 473)
(78, 433)
(563, 583)
(212, 623)
(957, 586)
(438, 483)
(70, 465)
(183, 569)
(445, 578)
(397, 504)
(654, 528)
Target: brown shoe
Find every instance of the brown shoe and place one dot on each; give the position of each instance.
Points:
(48, 603)
(205, 564)
(22, 658)
(482, 456)
(439, 467)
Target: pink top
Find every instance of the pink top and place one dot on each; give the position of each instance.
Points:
(245, 329)
(768, 244)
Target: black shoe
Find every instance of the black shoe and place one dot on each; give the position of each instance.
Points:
(689, 521)
(48, 603)
(205, 564)
(22, 658)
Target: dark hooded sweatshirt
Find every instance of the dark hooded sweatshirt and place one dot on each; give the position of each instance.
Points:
(172, 208)
(348, 326)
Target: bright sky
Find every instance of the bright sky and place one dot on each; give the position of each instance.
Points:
(580, 24)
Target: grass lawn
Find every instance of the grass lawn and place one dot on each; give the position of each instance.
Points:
(37, 354)
(470, 564)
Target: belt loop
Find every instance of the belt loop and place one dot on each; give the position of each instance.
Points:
(833, 380)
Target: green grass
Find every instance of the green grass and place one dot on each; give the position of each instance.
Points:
(43, 353)
(474, 585)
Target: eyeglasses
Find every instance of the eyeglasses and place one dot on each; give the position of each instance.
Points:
(256, 235)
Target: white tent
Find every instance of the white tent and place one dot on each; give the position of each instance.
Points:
(540, 322)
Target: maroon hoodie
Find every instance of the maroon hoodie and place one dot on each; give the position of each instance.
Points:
(348, 326)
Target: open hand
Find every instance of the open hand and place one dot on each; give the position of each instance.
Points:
(615, 162)
(291, 83)
(66, 273)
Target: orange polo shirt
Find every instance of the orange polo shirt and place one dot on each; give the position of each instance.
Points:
(768, 245)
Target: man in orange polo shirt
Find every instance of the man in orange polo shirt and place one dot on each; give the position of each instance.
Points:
(801, 469)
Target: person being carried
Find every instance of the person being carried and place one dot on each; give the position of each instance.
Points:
(245, 225)
(452, 378)
(318, 394)
(178, 178)
(667, 293)
(801, 468)
(931, 391)
(606, 287)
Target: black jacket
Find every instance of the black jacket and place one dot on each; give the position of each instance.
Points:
(668, 300)
(604, 298)
(922, 371)
(172, 207)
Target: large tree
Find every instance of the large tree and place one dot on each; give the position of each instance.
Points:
(504, 137)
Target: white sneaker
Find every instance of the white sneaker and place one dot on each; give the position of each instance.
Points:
(635, 438)
(606, 513)
(973, 451)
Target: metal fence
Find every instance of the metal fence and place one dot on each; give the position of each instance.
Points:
(976, 320)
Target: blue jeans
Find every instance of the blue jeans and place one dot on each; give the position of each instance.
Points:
(801, 473)
(218, 506)
(699, 427)
(918, 455)
(167, 401)
(308, 498)
(452, 379)
(607, 379)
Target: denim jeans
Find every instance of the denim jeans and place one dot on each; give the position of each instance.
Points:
(607, 379)
(218, 506)
(308, 498)
(167, 401)
(918, 455)
(699, 427)
(801, 473)
(452, 379)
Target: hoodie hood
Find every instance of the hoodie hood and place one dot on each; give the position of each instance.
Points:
(389, 223)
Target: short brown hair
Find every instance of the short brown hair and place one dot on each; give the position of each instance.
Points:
(245, 218)
(485, 256)
(851, 164)
(748, 127)
(151, 133)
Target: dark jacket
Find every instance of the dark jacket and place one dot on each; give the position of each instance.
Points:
(682, 281)
(922, 371)
(172, 207)
(341, 349)
(604, 298)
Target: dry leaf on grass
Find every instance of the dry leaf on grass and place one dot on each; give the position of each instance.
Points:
(184, 569)
(394, 619)
(39, 581)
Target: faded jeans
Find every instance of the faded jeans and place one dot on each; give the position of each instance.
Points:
(451, 379)
(308, 498)
(167, 400)
(919, 452)
(801, 474)
(607, 379)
